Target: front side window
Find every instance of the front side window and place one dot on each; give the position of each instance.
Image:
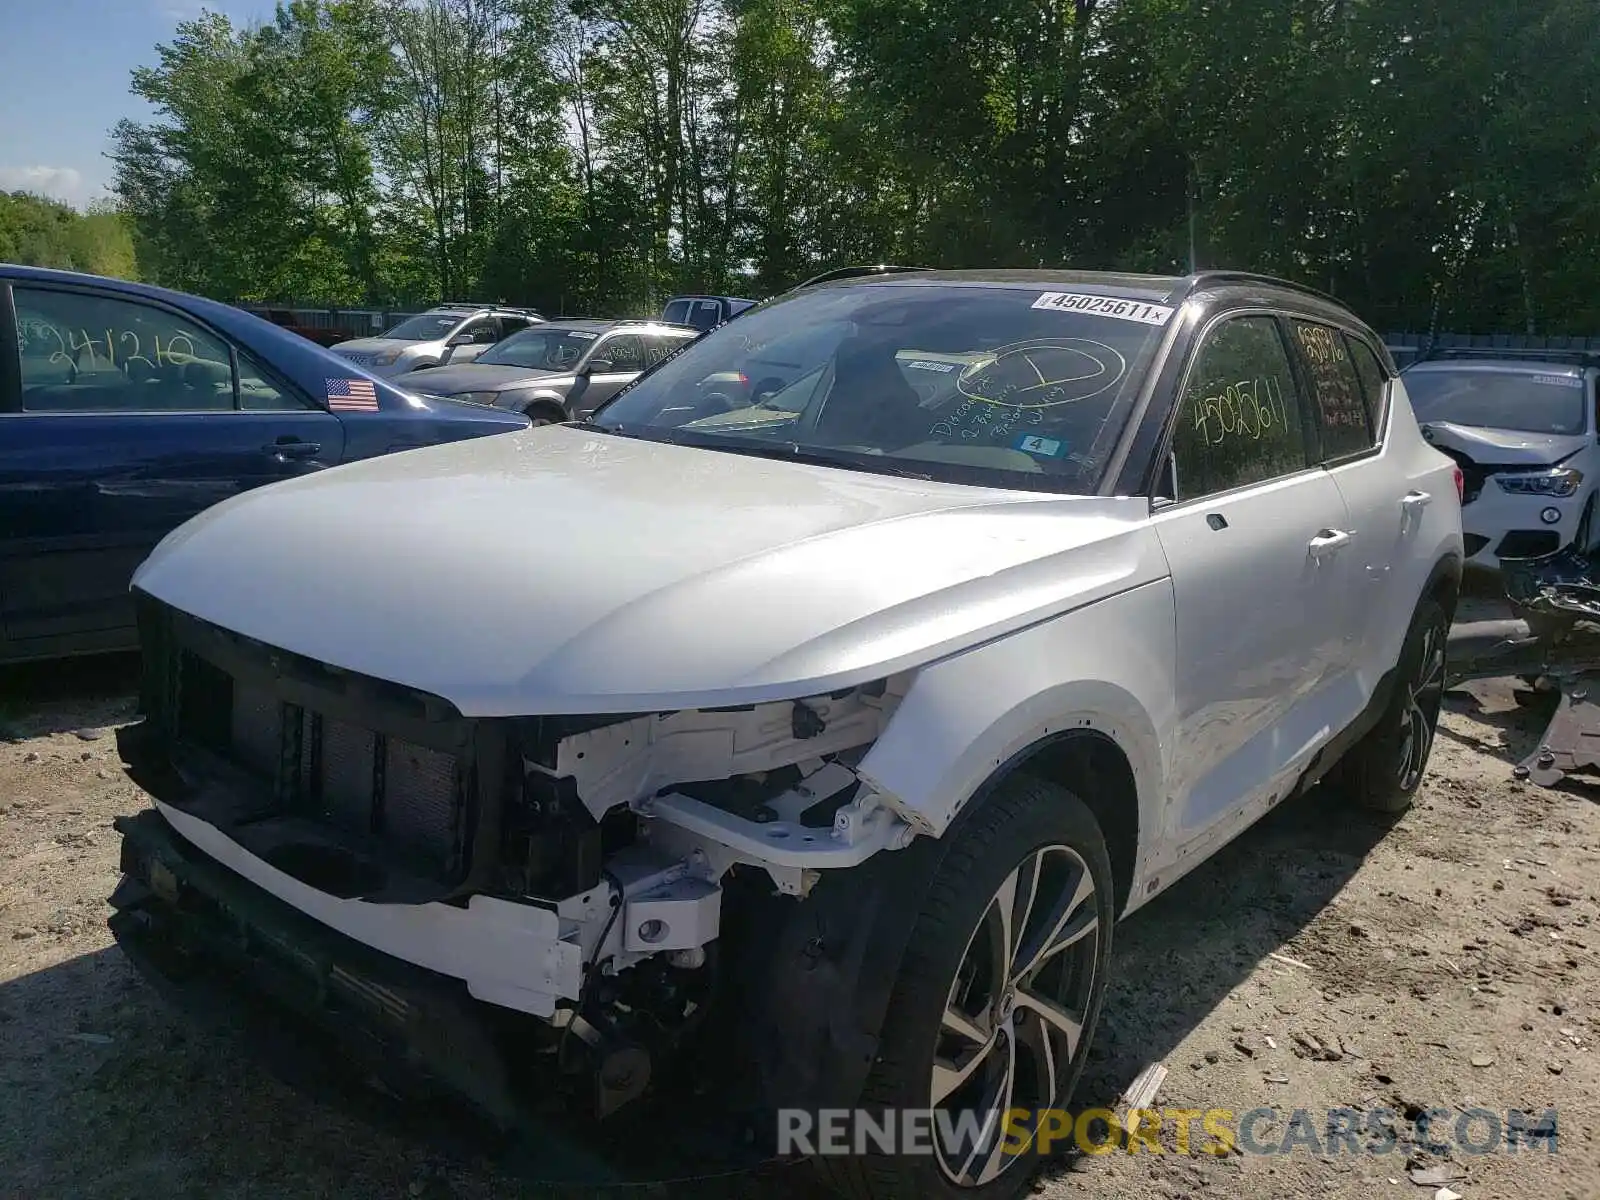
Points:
(1336, 388)
(485, 331)
(625, 352)
(1521, 401)
(997, 385)
(86, 352)
(1239, 419)
(541, 348)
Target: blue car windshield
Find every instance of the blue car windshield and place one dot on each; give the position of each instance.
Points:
(1001, 385)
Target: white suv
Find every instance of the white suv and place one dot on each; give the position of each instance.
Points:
(1522, 427)
(837, 738)
(450, 333)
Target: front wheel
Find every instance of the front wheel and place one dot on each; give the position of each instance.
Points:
(543, 414)
(997, 999)
(1385, 768)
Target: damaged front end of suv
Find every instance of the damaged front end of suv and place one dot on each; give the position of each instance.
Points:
(558, 886)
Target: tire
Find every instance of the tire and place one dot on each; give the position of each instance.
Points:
(544, 414)
(1383, 771)
(945, 1010)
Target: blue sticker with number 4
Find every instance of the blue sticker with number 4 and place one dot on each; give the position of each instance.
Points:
(1048, 447)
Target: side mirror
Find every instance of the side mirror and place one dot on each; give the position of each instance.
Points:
(460, 339)
(596, 366)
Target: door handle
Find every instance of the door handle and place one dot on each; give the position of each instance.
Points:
(1414, 502)
(1327, 542)
(284, 450)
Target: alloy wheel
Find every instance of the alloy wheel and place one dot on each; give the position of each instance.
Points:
(1014, 1020)
(1424, 695)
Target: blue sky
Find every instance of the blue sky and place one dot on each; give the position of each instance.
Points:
(64, 72)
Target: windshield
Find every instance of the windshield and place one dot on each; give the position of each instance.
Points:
(1005, 386)
(547, 348)
(1522, 402)
(425, 327)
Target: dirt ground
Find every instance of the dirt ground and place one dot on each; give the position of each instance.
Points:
(1324, 960)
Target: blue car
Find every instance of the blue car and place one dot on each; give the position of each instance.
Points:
(126, 409)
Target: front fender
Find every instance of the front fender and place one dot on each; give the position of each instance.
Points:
(1107, 667)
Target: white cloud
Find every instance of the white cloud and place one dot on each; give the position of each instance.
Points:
(59, 183)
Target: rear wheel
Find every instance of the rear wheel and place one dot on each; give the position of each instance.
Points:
(997, 999)
(1384, 769)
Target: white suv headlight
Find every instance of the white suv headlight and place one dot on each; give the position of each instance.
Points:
(1557, 481)
(384, 360)
(476, 397)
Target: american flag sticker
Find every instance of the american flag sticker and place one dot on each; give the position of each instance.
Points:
(352, 395)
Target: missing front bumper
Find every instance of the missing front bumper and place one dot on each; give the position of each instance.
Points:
(303, 997)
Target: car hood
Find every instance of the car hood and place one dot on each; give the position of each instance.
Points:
(471, 377)
(373, 345)
(562, 570)
(1504, 447)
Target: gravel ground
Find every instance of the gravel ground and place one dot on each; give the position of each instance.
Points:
(1324, 960)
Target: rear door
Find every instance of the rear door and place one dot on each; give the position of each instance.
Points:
(130, 417)
(1384, 509)
(1253, 536)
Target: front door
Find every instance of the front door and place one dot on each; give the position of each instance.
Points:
(1252, 538)
(132, 418)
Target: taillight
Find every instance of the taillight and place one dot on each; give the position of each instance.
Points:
(1461, 484)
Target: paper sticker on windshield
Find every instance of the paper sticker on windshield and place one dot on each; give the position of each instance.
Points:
(582, 337)
(1105, 306)
(1571, 381)
(1046, 447)
(923, 364)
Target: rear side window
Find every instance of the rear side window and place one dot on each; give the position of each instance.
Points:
(1340, 404)
(1239, 419)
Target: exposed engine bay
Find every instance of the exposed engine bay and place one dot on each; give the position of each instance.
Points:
(575, 869)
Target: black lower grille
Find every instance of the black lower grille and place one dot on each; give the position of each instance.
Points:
(1528, 543)
(338, 772)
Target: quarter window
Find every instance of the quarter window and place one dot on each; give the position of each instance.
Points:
(1341, 408)
(1373, 381)
(1239, 420)
(257, 393)
(83, 352)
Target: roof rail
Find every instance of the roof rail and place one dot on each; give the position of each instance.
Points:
(856, 273)
(1202, 279)
(1575, 358)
